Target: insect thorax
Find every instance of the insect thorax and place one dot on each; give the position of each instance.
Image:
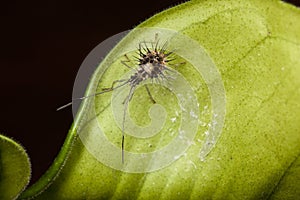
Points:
(145, 72)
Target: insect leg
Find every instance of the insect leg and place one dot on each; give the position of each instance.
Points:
(151, 98)
(128, 98)
(112, 85)
(124, 62)
(156, 38)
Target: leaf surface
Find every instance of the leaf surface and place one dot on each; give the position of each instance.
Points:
(255, 46)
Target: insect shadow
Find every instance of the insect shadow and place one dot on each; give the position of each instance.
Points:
(152, 63)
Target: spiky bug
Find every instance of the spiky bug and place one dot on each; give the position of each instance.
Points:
(151, 64)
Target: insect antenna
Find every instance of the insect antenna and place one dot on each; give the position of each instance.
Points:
(95, 94)
(163, 48)
(124, 116)
(156, 45)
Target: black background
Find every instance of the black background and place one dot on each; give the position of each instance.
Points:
(42, 46)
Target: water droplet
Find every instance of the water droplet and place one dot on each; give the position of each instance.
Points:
(192, 114)
(206, 132)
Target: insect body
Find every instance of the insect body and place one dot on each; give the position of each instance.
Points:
(152, 64)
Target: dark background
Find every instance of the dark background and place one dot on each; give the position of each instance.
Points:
(42, 46)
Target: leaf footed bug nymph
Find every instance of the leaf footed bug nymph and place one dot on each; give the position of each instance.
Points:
(152, 61)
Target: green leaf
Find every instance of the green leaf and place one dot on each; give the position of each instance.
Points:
(255, 46)
(288, 187)
(15, 169)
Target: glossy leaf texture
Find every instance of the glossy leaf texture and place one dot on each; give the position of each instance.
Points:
(255, 46)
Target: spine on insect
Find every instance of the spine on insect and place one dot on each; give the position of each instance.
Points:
(152, 64)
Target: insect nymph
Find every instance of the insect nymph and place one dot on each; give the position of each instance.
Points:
(151, 64)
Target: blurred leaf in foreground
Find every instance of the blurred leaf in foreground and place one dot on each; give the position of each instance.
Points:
(15, 169)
